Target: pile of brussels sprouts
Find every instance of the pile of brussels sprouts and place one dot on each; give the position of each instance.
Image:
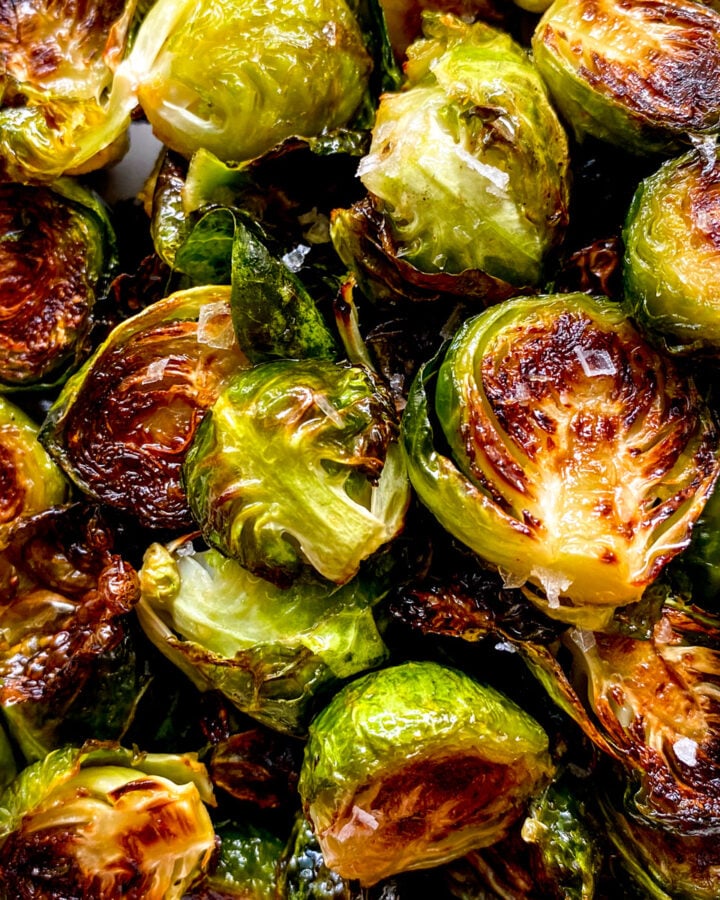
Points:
(358, 525)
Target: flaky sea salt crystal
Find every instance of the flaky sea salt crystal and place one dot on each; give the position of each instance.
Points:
(295, 258)
(584, 639)
(215, 328)
(322, 403)
(553, 583)
(360, 819)
(595, 362)
(155, 371)
(511, 580)
(186, 549)
(686, 751)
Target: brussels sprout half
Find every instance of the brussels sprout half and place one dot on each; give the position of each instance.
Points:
(641, 76)
(57, 255)
(298, 465)
(68, 666)
(122, 424)
(102, 821)
(657, 702)
(577, 457)
(239, 79)
(671, 266)
(31, 482)
(415, 765)
(270, 651)
(61, 109)
(450, 156)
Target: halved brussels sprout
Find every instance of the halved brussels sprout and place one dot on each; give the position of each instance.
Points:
(672, 253)
(61, 111)
(657, 706)
(31, 482)
(577, 458)
(298, 464)
(448, 168)
(642, 76)
(664, 863)
(270, 651)
(102, 821)
(415, 765)
(656, 702)
(122, 424)
(68, 666)
(57, 255)
(239, 79)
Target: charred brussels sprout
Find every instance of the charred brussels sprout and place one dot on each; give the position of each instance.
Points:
(61, 111)
(656, 702)
(68, 666)
(448, 166)
(415, 765)
(31, 482)
(672, 253)
(57, 255)
(269, 650)
(642, 76)
(239, 79)
(122, 424)
(106, 822)
(577, 457)
(298, 464)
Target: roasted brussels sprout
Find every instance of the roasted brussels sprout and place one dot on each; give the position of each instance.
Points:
(298, 465)
(656, 703)
(102, 821)
(61, 111)
(578, 457)
(415, 765)
(269, 650)
(239, 79)
(56, 258)
(69, 670)
(642, 76)
(122, 424)
(672, 253)
(447, 168)
(31, 482)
